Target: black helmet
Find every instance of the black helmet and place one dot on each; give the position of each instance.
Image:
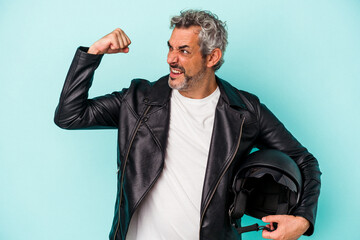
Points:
(267, 182)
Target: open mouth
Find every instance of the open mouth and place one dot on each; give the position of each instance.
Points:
(175, 72)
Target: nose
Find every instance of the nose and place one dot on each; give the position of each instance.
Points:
(172, 57)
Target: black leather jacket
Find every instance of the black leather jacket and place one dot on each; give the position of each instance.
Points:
(141, 114)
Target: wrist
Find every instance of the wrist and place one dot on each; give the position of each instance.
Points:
(305, 223)
(93, 50)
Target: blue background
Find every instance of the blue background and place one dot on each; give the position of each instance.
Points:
(302, 58)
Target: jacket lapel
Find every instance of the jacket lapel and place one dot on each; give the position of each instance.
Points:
(225, 138)
(158, 117)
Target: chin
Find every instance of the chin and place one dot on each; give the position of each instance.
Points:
(178, 84)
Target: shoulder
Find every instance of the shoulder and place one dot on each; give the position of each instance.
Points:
(242, 98)
(140, 84)
(156, 92)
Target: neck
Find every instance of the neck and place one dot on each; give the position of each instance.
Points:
(206, 86)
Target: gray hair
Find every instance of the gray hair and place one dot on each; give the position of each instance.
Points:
(213, 32)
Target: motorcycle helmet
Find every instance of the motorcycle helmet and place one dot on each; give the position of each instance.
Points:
(267, 182)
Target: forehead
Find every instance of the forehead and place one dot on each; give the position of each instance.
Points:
(185, 36)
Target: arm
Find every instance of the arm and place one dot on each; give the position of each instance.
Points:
(75, 110)
(273, 134)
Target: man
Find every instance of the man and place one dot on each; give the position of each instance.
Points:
(181, 137)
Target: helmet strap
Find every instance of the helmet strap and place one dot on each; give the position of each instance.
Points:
(254, 227)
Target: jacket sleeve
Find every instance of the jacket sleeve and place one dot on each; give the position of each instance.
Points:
(274, 135)
(75, 110)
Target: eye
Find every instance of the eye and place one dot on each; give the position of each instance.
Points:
(169, 46)
(185, 51)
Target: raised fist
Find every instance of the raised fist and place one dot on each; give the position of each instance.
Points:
(115, 42)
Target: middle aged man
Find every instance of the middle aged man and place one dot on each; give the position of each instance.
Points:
(181, 137)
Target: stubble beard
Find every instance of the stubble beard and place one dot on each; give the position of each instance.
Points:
(190, 82)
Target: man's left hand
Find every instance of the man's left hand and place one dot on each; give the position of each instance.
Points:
(288, 227)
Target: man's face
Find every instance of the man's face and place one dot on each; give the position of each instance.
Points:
(187, 66)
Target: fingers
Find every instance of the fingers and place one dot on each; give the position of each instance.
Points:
(270, 226)
(288, 227)
(121, 40)
(267, 234)
(274, 234)
(125, 39)
(115, 42)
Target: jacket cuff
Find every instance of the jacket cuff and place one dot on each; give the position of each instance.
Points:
(83, 53)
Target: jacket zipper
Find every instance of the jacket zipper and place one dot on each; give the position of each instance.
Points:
(222, 175)
(123, 170)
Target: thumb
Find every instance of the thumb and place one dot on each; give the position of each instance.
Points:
(271, 218)
(122, 50)
(125, 50)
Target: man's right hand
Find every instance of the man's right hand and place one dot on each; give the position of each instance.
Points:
(115, 42)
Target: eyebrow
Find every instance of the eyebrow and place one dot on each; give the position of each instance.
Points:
(180, 47)
(184, 46)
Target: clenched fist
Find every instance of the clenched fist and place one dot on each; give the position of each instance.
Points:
(115, 42)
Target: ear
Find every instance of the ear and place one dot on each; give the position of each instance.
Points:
(213, 57)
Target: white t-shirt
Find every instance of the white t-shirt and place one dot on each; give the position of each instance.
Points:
(171, 209)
